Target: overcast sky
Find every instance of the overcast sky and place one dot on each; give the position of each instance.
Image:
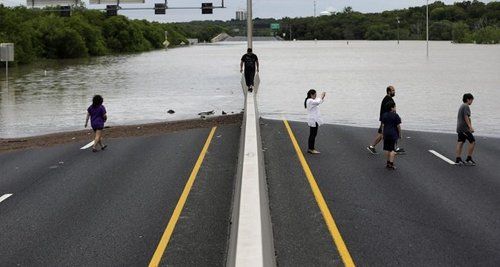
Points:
(261, 8)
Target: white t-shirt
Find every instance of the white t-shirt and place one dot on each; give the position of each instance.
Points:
(314, 116)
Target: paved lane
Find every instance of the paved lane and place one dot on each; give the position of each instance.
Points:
(76, 208)
(427, 212)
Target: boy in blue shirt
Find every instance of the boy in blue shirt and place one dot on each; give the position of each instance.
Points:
(391, 129)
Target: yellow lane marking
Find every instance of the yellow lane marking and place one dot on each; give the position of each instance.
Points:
(330, 222)
(155, 261)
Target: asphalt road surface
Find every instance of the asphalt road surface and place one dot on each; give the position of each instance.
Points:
(72, 207)
(426, 213)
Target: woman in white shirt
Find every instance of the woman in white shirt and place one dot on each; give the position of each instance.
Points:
(314, 117)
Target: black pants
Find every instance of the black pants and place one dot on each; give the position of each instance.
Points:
(313, 131)
(249, 76)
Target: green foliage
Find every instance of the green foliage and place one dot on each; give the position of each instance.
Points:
(440, 30)
(461, 33)
(202, 30)
(378, 32)
(467, 21)
(123, 35)
(42, 33)
(175, 35)
(90, 33)
(487, 35)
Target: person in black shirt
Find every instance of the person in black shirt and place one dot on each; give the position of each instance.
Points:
(251, 63)
(391, 129)
(384, 107)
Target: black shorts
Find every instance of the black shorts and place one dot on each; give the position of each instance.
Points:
(466, 136)
(97, 128)
(390, 144)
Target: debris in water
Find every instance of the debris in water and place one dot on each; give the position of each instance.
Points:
(206, 113)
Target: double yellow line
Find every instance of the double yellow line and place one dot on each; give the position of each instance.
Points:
(325, 211)
(327, 215)
(155, 261)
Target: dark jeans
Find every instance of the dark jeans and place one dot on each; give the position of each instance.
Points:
(312, 135)
(249, 76)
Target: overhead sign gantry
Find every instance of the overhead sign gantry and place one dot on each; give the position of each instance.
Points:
(112, 6)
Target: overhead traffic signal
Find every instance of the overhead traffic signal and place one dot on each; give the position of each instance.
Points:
(65, 11)
(207, 8)
(111, 10)
(160, 9)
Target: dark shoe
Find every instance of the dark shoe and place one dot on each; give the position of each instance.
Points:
(94, 150)
(104, 147)
(470, 162)
(390, 167)
(459, 162)
(372, 150)
(250, 89)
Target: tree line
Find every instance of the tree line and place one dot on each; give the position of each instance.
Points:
(39, 33)
(45, 34)
(462, 22)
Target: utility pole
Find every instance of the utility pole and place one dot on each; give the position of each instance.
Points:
(314, 8)
(249, 24)
(427, 26)
(397, 18)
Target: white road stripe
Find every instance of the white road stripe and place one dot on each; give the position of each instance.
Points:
(4, 197)
(88, 145)
(442, 157)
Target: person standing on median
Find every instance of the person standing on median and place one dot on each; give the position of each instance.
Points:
(251, 63)
(311, 103)
(464, 131)
(391, 129)
(97, 114)
(384, 107)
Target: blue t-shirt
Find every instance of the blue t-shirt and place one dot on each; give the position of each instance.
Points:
(391, 120)
(97, 116)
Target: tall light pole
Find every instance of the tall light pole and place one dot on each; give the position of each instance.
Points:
(397, 18)
(427, 26)
(249, 24)
(314, 8)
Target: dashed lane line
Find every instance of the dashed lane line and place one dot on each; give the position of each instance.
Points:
(87, 145)
(4, 197)
(442, 157)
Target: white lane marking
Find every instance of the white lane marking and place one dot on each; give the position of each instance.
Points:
(87, 145)
(4, 197)
(442, 157)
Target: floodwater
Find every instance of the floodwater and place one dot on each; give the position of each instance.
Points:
(52, 96)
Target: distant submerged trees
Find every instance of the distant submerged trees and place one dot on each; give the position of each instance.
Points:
(44, 34)
(468, 21)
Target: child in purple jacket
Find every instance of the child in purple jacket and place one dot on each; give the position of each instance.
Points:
(97, 114)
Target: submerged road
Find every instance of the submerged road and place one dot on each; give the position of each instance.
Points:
(426, 213)
(72, 207)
